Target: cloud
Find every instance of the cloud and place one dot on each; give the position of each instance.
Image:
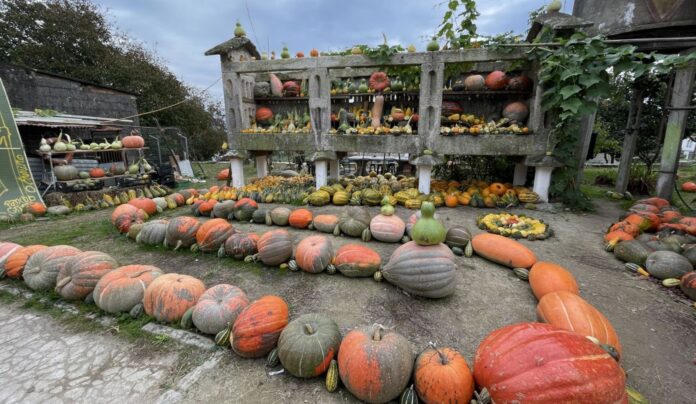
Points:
(180, 31)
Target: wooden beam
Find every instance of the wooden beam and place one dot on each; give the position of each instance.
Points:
(630, 139)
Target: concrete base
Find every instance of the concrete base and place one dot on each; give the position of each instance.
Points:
(237, 172)
(424, 178)
(520, 177)
(321, 171)
(261, 166)
(334, 172)
(542, 182)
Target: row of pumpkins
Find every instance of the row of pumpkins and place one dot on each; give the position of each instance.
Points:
(374, 364)
(654, 239)
(132, 141)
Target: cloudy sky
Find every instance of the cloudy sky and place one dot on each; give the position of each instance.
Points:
(180, 31)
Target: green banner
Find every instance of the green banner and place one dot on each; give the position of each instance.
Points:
(17, 187)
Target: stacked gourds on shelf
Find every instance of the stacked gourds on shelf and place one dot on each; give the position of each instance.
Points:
(655, 240)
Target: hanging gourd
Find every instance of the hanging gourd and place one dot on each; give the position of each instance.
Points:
(428, 230)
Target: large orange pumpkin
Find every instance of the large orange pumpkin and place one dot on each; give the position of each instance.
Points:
(659, 202)
(204, 208)
(223, 175)
(123, 288)
(263, 114)
(355, 260)
(6, 250)
(314, 254)
(170, 295)
(218, 307)
(81, 273)
(451, 201)
(36, 208)
(689, 186)
(374, 364)
(14, 265)
(443, 376)
(646, 221)
(626, 227)
(571, 312)
(275, 247)
(300, 218)
(325, 223)
(211, 235)
(688, 284)
(670, 216)
(126, 215)
(497, 188)
(387, 228)
(544, 364)
(181, 232)
(133, 141)
(496, 80)
(96, 172)
(41, 269)
(547, 277)
(503, 250)
(146, 204)
(256, 330)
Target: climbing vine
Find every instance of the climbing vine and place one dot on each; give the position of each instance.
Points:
(458, 26)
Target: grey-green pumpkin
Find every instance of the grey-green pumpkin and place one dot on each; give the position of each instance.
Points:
(426, 271)
(308, 344)
(633, 251)
(41, 269)
(667, 264)
(153, 232)
(280, 216)
(354, 220)
(218, 307)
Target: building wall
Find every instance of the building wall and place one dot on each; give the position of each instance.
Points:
(28, 89)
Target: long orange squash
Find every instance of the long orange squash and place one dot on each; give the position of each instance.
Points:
(571, 312)
(547, 277)
(503, 250)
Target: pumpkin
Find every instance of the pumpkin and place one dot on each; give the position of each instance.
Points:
(308, 344)
(516, 111)
(275, 247)
(81, 273)
(355, 260)
(545, 364)
(689, 186)
(15, 262)
(41, 269)
(152, 233)
(614, 237)
(375, 364)
(181, 232)
(325, 223)
(451, 107)
(659, 202)
(428, 230)
(688, 284)
(413, 219)
(133, 141)
(314, 53)
(239, 245)
(314, 254)
(124, 216)
(474, 82)
(244, 209)
(451, 201)
(670, 216)
(223, 175)
(634, 251)
(640, 207)
(178, 198)
(169, 296)
(300, 218)
(118, 291)
(626, 227)
(6, 250)
(211, 235)
(441, 375)
(259, 216)
(223, 210)
(65, 173)
(520, 83)
(503, 250)
(547, 277)
(426, 271)
(458, 236)
(218, 307)
(97, 172)
(667, 264)
(568, 311)
(340, 198)
(204, 208)
(496, 80)
(354, 220)
(256, 330)
(379, 81)
(264, 115)
(36, 208)
(389, 229)
(134, 230)
(291, 89)
(280, 216)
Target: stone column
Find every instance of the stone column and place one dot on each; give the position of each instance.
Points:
(424, 178)
(261, 165)
(334, 171)
(542, 182)
(237, 172)
(520, 177)
(320, 167)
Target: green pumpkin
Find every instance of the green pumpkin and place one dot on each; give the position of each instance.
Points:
(387, 210)
(307, 345)
(354, 221)
(428, 230)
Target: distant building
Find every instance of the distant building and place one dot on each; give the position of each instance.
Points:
(688, 149)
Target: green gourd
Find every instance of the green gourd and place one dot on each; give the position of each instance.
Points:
(387, 210)
(433, 46)
(428, 230)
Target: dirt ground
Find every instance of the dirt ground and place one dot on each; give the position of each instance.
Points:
(657, 327)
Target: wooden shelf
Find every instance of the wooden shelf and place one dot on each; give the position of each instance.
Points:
(99, 179)
(489, 93)
(281, 99)
(53, 153)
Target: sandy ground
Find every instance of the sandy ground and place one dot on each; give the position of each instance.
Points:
(657, 327)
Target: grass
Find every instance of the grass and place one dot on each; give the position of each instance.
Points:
(209, 171)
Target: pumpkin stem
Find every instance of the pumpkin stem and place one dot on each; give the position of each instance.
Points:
(377, 334)
(443, 358)
(309, 329)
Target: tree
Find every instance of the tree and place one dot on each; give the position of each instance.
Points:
(73, 38)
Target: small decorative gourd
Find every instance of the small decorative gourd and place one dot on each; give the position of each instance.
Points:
(238, 30)
(428, 231)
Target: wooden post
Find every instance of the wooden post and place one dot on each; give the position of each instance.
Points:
(430, 102)
(630, 138)
(586, 126)
(334, 169)
(676, 123)
(520, 177)
(237, 172)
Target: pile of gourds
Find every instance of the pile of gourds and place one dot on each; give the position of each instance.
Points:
(480, 194)
(515, 226)
(655, 240)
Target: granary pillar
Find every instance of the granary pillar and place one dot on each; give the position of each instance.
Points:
(321, 161)
(261, 165)
(543, 168)
(520, 176)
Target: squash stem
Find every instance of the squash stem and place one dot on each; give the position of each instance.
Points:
(443, 358)
(309, 329)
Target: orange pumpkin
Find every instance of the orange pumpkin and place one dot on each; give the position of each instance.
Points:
(81, 273)
(571, 312)
(123, 288)
(169, 296)
(641, 207)
(300, 218)
(670, 216)
(181, 232)
(223, 174)
(146, 204)
(689, 186)
(496, 80)
(218, 307)
(355, 260)
(387, 228)
(133, 141)
(211, 235)
(14, 265)
(205, 207)
(96, 172)
(659, 202)
(314, 53)
(464, 198)
(314, 254)
(126, 215)
(503, 250)
(547, 277)
(443, 376)
(325, 223)
(36, 208)
(256, 330)
(275, 247)
(178, 198)
(239, 245)
(626, 227)
(688, 284)
(451, 201)
(497, 188)
(613, 237)
(646, 221)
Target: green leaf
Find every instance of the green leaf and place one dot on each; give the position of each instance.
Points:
(453, 5)
(569, 91)
(572, 105)
(588, 81)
